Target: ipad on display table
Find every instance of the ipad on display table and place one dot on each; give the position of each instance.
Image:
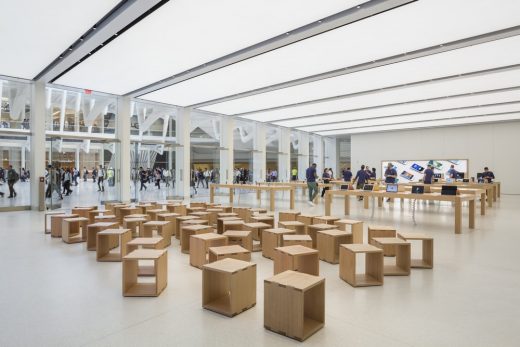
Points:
(392, 188)
(417, 189)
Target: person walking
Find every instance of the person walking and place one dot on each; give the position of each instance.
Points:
(360, 179)
(207, 175)
(326, 179)
(158, 178)
(12, 178)
(85, 174)
(67, 179)
(101, 179)
(310, 175)
(143, 178)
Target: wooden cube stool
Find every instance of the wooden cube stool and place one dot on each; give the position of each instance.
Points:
(138, 215)
(92, 214)
(314, 228)
(164, 229)
(104, 244)
(192, 209)
(354, 226)
(256, 229)
(227, 214)
(373, 275)
(83, 211)
(242, 238)
(199, 245)
(255, 212)
(242, 212)
(296, 258)
(328, 242)
(382, 231)
(57, 223)
(229, 286)
(402, 255)
(261, 218)
(188, 230)
(145, 243)
(108, 218)
(325, 220)
(221, 220)
(178, 222)
(169, 217)
(177, 208)
(125, 211)
(306, 219)
(131, 270)
(232, 225)
(201, 214)
(298, 227)
(271, 239)
(93, 229)
(213, 215)
(200, 204)
(154, 212)
(47, 220)
(294, 304)
(233, 251)
(74, 230)
(427, 249)
(284, 216)
(292, 240)
(134, 224)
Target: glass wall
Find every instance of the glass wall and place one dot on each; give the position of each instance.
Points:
(272, 148)
(243, 145)
(294, 156)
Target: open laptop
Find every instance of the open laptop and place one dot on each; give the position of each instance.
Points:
(392, 188)
(417, 189)
(449, 190)
(369, 187)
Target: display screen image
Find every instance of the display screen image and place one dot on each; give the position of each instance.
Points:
(368, 187)
(392, 188)
(407, 175)
(413, 170)
(417, 167)
(418, 189)
(436, 164)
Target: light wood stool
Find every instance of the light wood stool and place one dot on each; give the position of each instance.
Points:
(382, 231)
(221, 220)
(272, 238)
(154, 212)
(296, 258)
(328, 242)
(426, 262)
(325, 220)
(93, 229)
(314, 228)
(284, 216)
(57, 223)
(74, 230)
(263, 219)
(292, 240)
(242, 238)
(298, 227)
(373, 275)
(233, 251)
(355, 226)
(402, 255)
(199, 245)
(164, 229)
(256, 229)
(131, 284)
(188, 230)
(103, 244)
(179, 221)
(134, 224)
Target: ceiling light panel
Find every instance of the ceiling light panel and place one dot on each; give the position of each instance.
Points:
(436, 123)
(318, 123)
(183, 34)
(461, 85)
(490, 55)
(33, 32)
(394, 32)
(470, 112)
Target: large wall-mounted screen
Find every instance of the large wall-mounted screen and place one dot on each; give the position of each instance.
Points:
(413, 170)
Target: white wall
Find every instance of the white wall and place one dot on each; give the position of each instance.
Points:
(494, 145)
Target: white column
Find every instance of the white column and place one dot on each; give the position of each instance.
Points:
(259, 155)
(284, 158)
(37, 156)
(226, 154)
(22, 158)
(331, 154)
(123, 147)
(318, 153)
(63, 110)
(182, 154)
(303, 154)
(77, 158)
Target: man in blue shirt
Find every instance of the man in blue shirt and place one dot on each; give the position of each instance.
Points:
(488, 176)
(390, 174)
(311, 176)
(428, 175)
(452, 173)
(361, 178)
(347, 175)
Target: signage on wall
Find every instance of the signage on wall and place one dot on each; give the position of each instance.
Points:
(88, 91)
(413, 170)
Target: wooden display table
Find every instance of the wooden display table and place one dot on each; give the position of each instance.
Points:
(298, 227)
(229, 286)
(325, 220)
(382, 231)
(287, 215)
(402, 255)
(83, 211)
(47, 220)
(154, 212)
(271, 189)
(134, 224)
(256, 229)
(93, 229)
(272, 238)
(314, 228)
(292, 240)
(221, 220)
(296, 258)
(426, 262)
(242, 238)
(74, 230)
(104, 244)
(294, 304)
(179, 221)
(233, 251)
(108, 218)
(354, 226)
(57, 223)
(131, 270)
(328, 242)
(262, 219)
(199, 245)
(374, 262)
(188, 230)
(164, 229)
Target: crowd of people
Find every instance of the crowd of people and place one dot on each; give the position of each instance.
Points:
(155, 176)
(242, 175)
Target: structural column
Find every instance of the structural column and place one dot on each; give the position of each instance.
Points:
(318, 153)
(259, 155)
(284, 157)
(123, 165)
(331, 154)
(182, 154)
(303, 154)
(37, 156)
(226, 153)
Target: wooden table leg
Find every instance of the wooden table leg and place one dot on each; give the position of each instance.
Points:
(328, 203)
(271, 200)
(483, 204)
(231, 196)
(458, 215)
(347, 205)
(471, 216)
(495, 193)
(292, 193)
(489, 195)
(498, 189)
(365, 202)
(379, 201)
(258, 194)
(211, 194)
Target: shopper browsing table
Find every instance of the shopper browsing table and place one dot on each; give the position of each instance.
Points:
(311, 176)
(452, 173)
(361, 178)
(428, 175)
(390, 175)
(488, 176)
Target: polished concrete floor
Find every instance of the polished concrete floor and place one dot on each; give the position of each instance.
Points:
(54, 294)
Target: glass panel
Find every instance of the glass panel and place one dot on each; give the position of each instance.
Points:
(272, 146)
(14, 171)
(294, 157)
(243, 142)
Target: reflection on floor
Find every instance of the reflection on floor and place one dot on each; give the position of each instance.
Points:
(54, 294)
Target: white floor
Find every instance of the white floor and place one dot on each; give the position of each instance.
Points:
(54, 294)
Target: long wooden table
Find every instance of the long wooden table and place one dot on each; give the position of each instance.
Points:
(272, 189)
(456, 199)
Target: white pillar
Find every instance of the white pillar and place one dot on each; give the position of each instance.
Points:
(22, 158)
(318, 153)
(226, 154)
(63, 109)
(303, 154)
(77, 158)
(37, 156)
(123, 163)
(182, 154)
(259, 155)
(331, 154)
(284, 158)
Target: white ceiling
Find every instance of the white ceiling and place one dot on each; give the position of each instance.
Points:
(34, 32)
(183, 34)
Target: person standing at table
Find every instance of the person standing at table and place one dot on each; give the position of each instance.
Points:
(347, 175)
(311, 176)
(452, 173)
(488, 176)
(360, 179)
(326, 176)
(373, 174)
(294, 174)
(390, 175)
(428, 175)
